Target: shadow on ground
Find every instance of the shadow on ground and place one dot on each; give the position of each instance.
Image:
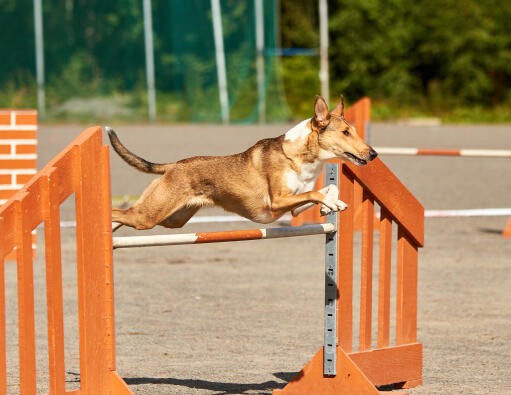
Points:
(221, 387)
(491, 231)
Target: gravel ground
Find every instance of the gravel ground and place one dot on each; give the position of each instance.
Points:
(243, 318)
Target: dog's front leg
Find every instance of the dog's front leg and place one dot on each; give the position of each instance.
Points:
(331, 194)
(282, 204)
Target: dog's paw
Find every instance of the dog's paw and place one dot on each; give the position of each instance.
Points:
(328, 206)
(324, 210)
(332, 202)
(341, 206)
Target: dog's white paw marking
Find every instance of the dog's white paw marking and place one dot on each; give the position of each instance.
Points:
(324, 210)
(332, 202)
(341, 206)
(337, 205)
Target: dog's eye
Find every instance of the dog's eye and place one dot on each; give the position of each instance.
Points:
(346, 133)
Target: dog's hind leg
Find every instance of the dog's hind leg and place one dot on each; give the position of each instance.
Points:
(179, 218)
(157, 203)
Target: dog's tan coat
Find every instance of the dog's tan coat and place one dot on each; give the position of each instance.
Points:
(260, 184)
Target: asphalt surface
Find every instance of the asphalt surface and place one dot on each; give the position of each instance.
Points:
(243, 318)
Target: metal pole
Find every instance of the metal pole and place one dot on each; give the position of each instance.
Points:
(39, 52)
(220, 59)
(368, 132)
(323, 49)
(331, 263)
(261, 97)
(149, 59)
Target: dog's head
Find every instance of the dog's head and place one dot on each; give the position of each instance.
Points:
(337, 138)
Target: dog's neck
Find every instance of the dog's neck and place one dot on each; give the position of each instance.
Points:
(301, 144)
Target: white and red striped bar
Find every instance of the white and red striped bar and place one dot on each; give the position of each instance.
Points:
(218, 237)
(486, 153)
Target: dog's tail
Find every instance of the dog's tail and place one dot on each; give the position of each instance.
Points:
(133, 160)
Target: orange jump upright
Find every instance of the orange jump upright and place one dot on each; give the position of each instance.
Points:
(83, 169)
(18, 154)
(400, 363)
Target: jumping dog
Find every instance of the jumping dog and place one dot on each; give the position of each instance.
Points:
(272, 177)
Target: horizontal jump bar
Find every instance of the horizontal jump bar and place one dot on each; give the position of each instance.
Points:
(218, 237)
(489, 153)
(478, 212)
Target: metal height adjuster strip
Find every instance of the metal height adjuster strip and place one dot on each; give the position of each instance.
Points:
(331, 253)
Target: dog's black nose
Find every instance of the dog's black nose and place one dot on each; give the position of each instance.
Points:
(373, 154)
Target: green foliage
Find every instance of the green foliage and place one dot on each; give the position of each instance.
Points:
(432, 56)
(300, 78)
(371, 43)
(438, 54)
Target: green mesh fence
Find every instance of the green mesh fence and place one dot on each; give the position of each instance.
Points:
(95, 61)
(17, 56)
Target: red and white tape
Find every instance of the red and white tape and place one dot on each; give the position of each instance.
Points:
(481, 153)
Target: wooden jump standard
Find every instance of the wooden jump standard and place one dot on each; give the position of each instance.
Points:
(81, 171)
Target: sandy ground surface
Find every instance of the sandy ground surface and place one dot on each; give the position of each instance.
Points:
(243, 318)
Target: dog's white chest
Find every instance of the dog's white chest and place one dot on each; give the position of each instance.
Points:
(304, 180)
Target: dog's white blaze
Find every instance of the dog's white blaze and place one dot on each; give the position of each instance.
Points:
(305, 180)
(298, 131)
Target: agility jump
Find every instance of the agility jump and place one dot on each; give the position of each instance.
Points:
(83, 169)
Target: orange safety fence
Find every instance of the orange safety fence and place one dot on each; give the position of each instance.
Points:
(399, 363)
(83, 169)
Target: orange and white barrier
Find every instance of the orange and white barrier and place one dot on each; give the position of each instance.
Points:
(478, 153)
(18, 153)
(475, 153)
(218, 237)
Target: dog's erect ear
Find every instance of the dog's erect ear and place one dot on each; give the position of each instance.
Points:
(339, 108)
(321, 112)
